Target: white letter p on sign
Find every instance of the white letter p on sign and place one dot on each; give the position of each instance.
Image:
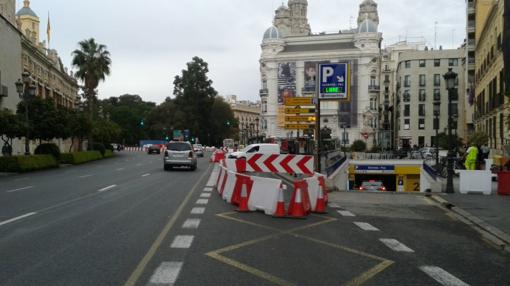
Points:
(327, 72)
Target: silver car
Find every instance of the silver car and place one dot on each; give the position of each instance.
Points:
(179, 154)
(199, 150)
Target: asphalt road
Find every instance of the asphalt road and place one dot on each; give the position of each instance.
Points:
(125, 221)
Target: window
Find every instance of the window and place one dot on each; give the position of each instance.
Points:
(437, 62)
(453, 62)
(421, 123)
(437, 80)
(423, 63)
(423, 80)
(437, 95)
(421, 110)
(264, 106)
(407, 81)
(372, 80)
(407, 110)
(407, 96)
(422, 95)
(421, 141)
(408, 64)
(407, 124)
(254, 149)
(387, 78)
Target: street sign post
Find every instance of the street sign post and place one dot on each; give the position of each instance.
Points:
(334, 81)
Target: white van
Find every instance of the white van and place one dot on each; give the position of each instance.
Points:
(260, 148)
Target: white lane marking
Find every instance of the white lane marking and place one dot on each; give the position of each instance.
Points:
(441, 276)
(120, 169)
(346, 213)
(107, 188)
(333, 205)
(191, 223)
(205, 195)
(20, 189)
(138, 165)
(17, 218)
(395, 245)
(166, 274)
(85, 176)
(366, 226)
(182, 241)
(197, 210)
(145, 175)
(202, 201)
(208, 189)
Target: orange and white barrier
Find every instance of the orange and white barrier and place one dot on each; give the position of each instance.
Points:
(299, 206)
(133, 149)
(217, 156)
(317, 193)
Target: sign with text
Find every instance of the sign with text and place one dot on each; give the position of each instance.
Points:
(299, 126)
(334, 81)
(299, 110)
(300, 118)
(299, 101)
(375, 169)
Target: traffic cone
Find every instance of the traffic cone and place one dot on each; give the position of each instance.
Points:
(320, 206)
(280, 205)
(243, 201)
(296, 208)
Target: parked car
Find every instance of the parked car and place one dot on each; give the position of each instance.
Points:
(179, 154)
(199, 150)
(156, 148)
(260, 148)
(372, 185)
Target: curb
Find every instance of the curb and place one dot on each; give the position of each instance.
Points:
(492, 233)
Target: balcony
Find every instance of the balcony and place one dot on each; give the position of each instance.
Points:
(374, 88)
(471, 26)
(264, 92)
(471, 45)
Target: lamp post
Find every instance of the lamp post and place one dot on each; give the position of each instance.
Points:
(450, 78)
(251, 131)
(257, 126)
(26, 91)
(437, 112)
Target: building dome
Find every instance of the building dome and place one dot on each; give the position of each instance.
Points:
(272, 34)
(367, 26)
(26, 10)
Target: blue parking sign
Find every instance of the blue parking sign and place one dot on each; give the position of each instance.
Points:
(334, 81)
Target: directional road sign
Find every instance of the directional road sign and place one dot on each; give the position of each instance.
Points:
(299, 110)
(299, 126)
(334, 81)
(294, 101)
(300, 118)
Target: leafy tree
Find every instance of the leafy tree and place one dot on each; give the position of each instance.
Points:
(221, 113)
(359, 146)
(105, 130)
(194, 97)
(478, 139)
(443, 141)
(43, 118)
(79, 126)
(93, 63)
(11, 126)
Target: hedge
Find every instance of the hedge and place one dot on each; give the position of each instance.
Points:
(27, 163)
(77, 158)
(108, 154)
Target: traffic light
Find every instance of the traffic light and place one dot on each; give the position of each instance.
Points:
(228, 123)
(142, 124)
(167, 138)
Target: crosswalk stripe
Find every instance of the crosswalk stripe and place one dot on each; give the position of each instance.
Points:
(197, 210)
(395, 245)
(346, 213)
(202, 201)
(191, 223)
(166, 274)
(182, 241)
(366, 226)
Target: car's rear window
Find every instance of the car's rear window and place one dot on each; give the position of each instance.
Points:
(178, 147)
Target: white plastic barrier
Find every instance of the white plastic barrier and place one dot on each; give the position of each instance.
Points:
(264, 194)
(230, 164)
(475, 182)
(228, 190)
(313, 190)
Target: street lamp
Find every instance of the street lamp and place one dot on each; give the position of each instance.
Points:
(257, 125)
(450, 78)
(26, 91)
(437, 112)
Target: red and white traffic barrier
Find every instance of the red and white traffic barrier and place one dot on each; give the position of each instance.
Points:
(317, 193)
(217, 156)
(275, 163)
(299, 206)
(134, 149)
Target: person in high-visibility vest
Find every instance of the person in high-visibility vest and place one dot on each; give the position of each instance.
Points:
(471, 156)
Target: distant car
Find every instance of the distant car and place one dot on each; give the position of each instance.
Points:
(179, 154)
(256, 148)
(156, 148)
(199, 150)
(372, 185)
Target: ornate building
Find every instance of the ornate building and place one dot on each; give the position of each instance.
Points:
(290, 53)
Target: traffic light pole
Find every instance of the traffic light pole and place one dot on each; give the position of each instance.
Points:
(318, 132)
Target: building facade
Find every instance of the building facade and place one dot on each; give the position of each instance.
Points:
(491, 109)
(247, 115)
(420, 83)
(10, 64)
(290, 54)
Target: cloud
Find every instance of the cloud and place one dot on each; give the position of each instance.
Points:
(151, 41)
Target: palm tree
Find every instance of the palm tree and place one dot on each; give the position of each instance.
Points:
(93, 63)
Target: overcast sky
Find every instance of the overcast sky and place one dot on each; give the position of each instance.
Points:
(151, 41)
